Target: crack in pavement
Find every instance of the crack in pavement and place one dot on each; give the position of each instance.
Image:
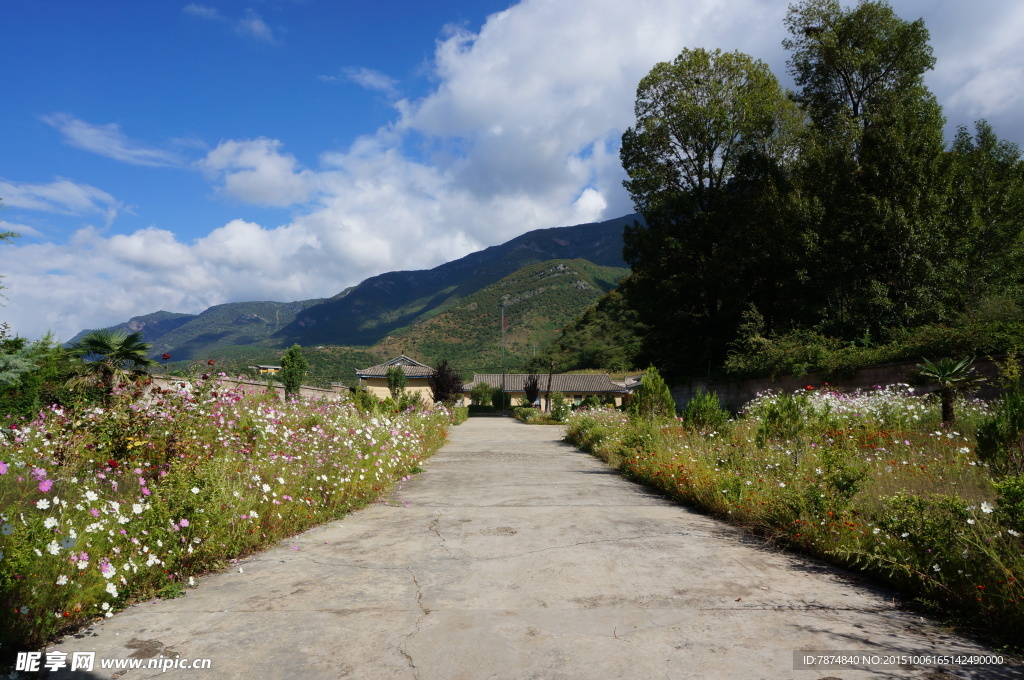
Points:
(416, 627)
(433, 527)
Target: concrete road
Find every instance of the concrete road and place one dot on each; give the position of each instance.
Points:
(520, 557)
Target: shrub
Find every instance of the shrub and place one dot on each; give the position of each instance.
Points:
(459, 415)
(1001, 437)
(481, 394)
(560, 407)
(445, 384)
(705, 412)
(652, 399)
(525, 413)
(1010, 506)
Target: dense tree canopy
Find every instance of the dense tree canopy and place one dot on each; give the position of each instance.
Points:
(837, 211)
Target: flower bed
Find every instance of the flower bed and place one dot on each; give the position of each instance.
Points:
(104, 506)
(868, 480)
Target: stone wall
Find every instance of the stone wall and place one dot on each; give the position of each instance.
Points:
(250, 386)
(735, 394)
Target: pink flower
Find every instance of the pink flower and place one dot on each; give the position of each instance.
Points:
(145, 491)
(45, 485)
(3, 468)
(94, 512)
(183, 523)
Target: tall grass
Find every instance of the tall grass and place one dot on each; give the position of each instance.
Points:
(103, 506)
(869, 480)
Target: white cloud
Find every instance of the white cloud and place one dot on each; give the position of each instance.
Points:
(255, 171)
(62, 196)
(251, 25)
(369, 79)
(108, 140)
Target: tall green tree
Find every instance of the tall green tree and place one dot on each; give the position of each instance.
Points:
(984, 218)
(707, 124)
(109, 358)
(396, 382)
(871, 167)
(293, 370)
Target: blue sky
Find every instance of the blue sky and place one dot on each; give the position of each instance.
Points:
(175, 155)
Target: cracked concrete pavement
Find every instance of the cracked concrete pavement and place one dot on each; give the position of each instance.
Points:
(520, 557)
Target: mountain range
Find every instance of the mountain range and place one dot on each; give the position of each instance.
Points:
(546, 277)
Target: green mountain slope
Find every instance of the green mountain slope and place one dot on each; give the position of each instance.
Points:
(539, 300)
(367, 313)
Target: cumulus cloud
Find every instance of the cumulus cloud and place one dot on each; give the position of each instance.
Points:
(62, 196)
(108, 140)
(254, 171)
(520, 132)
(250, 25)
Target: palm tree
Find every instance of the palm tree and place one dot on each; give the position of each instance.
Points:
(109, 357)
(953, 377)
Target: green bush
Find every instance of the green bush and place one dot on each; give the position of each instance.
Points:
(782, 418)
(705, 412)
(525, 413)
(477, 408)
(560, 407)
(652, 399)
(481, 394)
(1010, 506)
(459, 415)
(1001, 437)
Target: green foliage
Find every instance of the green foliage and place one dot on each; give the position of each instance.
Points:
(782, 419)
(445, 384)
(953, 378)
(525, 413)
(365, 401)
(606, 337)
(482, 394)
(502, 401)
(293, 370)
(1010, 506)
(652, 399)
(1001, 436)
(560, 407)
(459, 415)
(704, 411)
(109, 358)
(396, 382)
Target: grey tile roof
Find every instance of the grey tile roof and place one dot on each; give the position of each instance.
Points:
(593, 383)
(412, 368)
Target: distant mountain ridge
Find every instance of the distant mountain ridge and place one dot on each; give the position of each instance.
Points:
(368, 312)
(382, 305)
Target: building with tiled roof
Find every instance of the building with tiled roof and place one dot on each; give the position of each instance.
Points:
(575, 386)
(417, 376)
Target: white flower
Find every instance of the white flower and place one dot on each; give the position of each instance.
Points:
(986, 507)
(254, 515)
(195, 489)
(91, 495)
(112, 589)
(935, 567)
(266, 487)
(782, 484)
(62, 580)
(105, 606)
(877, 531)
(137, 508)
(53, 548)
(970, 521)
(1012, 532)
(191, 580)
(50, 522)
(42, 504)
(904, 534)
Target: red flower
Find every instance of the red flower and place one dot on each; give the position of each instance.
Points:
(210, 362)
(112, 463)
(166, 356)
(810, 387)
